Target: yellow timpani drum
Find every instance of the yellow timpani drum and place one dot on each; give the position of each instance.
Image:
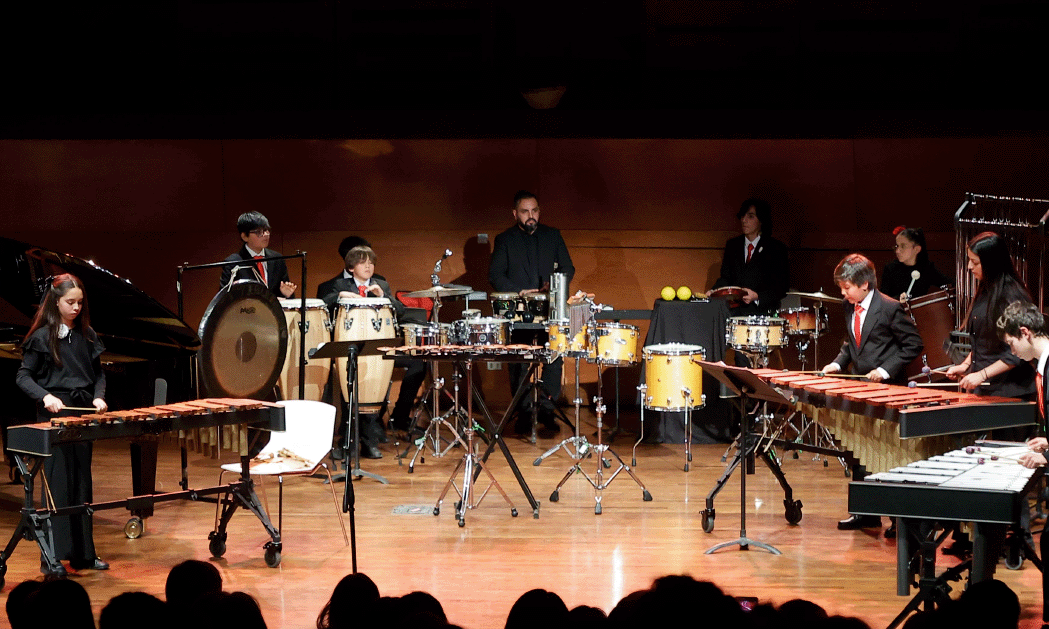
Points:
(613, 344)
(561, 343)
(673, 377)
(318, 330)
(756, 333)
(364, 319)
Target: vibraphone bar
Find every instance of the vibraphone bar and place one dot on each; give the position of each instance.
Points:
(983, 484)
(38, 440)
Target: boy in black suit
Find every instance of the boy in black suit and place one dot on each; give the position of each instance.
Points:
(756, 262)
(254, 230)
(1022, 327)
(881, 340)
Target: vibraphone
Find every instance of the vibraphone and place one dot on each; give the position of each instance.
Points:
(233, 415)
(982, 484)
(887, 426)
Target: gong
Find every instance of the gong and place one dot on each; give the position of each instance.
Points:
(244, 337)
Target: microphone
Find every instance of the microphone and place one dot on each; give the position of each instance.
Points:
(914, 278)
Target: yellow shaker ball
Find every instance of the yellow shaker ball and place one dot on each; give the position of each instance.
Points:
(684, 293)
(667, 293)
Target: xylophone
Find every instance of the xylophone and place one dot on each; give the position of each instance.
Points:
(37, 441)
(983, 484)
(887, 425)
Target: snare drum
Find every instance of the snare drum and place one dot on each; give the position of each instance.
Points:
(755, 333)
(422, 334)
(504, 305)
(673, 377)
(482, 331)
(613, 344)
(536, 307)
(364, 319)
(318, 330)
(560, 342)
(804, 320)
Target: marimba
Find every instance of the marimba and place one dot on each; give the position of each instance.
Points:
(887, 426)
(38, 440)
(983, 484)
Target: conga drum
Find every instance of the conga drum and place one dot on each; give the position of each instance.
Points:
(318, 330)
(365, 319)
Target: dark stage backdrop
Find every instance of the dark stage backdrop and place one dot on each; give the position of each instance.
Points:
(637, 214)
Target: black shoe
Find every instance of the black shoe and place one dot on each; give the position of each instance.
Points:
(857, 522)
(959, 548)
(369, 451)
(890, 533)
(548, 420)
(57, 574)
(90, 564)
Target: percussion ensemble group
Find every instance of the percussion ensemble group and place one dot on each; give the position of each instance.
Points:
(899, 349)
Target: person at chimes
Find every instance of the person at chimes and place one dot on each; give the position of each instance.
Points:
(62, 371)
(880, 340)
(523, 259)
(898, 278)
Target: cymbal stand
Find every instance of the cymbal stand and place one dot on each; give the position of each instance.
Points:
(471, 465)
(577, 446)
(432, 434)
(598, 482)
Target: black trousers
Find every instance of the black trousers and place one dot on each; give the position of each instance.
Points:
(68, 473)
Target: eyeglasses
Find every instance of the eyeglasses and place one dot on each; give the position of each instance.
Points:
(259, 232)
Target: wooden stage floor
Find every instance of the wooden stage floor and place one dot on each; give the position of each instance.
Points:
(478, 571)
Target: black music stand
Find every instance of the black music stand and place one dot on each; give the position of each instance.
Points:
(747, 384)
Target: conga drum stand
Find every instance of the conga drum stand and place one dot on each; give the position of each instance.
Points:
(471, 466)
(598, 481)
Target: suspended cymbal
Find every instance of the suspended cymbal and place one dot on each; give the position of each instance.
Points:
(244, 338)
(447, 290)
(818, 297)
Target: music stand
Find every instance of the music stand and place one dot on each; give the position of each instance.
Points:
(744, 382)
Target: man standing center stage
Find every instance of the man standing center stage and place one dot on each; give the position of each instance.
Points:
(523, 259)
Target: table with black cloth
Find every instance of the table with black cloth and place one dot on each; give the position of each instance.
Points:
(694, 323)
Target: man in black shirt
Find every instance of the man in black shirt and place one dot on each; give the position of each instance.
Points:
(523, 259)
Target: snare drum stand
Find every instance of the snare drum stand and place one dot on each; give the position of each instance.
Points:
(433, 431)
(580, 446)
(471, 465)
(598, 481)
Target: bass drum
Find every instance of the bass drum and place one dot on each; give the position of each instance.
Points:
(244, 339)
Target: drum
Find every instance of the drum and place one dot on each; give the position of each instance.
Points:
(673, 377)
(471, 313)
(504, 305)
(804, 320)
(364, 319)
(933, 315)
(318, 330)
(536, 308)
(483, 331)
(755, 333)
(560, 342)
(612, 344)
(422, 334)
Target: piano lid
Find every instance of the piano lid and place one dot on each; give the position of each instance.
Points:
(129, 321)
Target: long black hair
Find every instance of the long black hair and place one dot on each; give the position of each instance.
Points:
(48, 315)
(1000, 282)
(917, 236)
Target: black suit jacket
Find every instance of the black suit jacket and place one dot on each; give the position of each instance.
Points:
(328, 287)
(276, 270)
(329, 292)
(510, 268)
(889, 339)
(767, 273)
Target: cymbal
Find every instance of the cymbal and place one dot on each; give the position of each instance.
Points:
(448, 290)
(818, 297)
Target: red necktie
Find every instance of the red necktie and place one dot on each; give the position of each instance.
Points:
(262, 268)
(857, 324)
(1041, 395)
(750, 250)
(362, 290)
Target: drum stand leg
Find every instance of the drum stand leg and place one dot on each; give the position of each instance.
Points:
(471, 466)
(432, 434)
(598, 481)
(577, 446)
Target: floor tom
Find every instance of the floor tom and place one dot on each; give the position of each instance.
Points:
(673, 377)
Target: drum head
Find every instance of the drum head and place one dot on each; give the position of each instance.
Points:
(244, 337)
